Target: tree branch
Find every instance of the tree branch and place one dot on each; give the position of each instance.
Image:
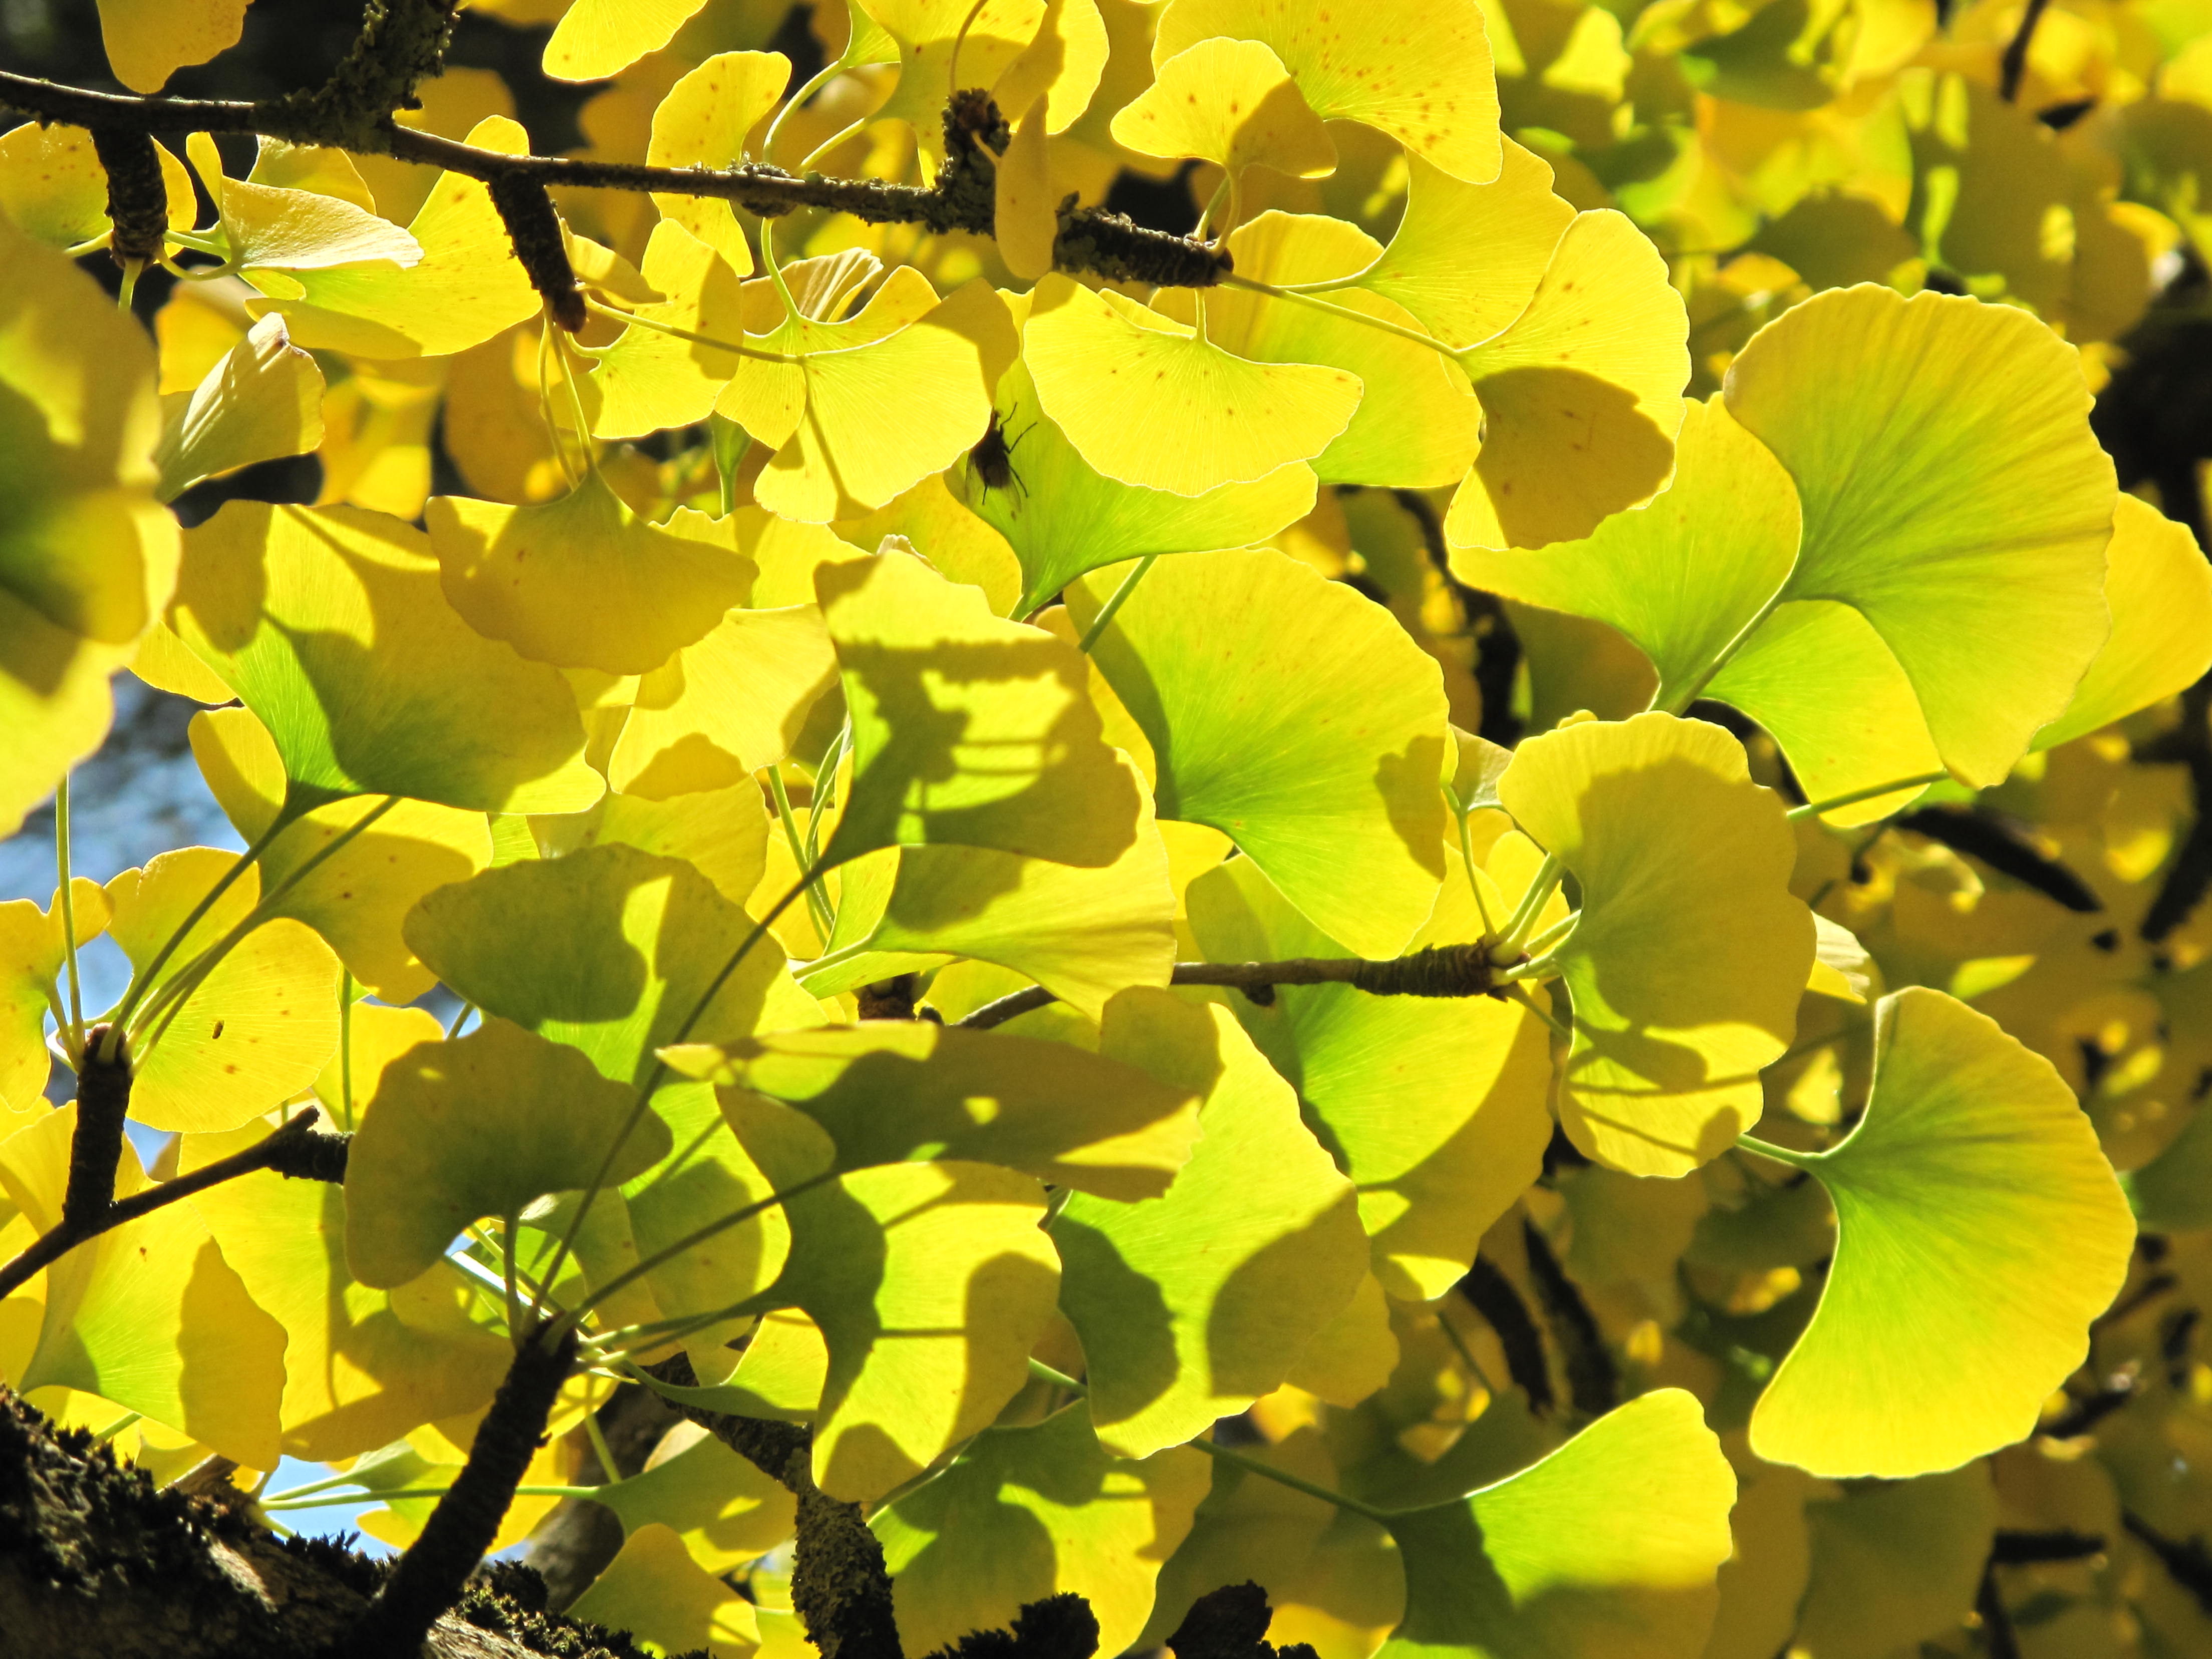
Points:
(2012, 67)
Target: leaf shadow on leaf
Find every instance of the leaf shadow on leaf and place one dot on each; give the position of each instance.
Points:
(1243, 1328)
(1586, 446)
(990, 791)
(926, 906)
(1144, 1363)
(1406, 782)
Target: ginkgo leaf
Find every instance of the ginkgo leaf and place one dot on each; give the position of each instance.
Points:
(361, 1366)
(149, 40)
(1690, 954)
(317, 168)
(1977, 1218)
(2159, 588)
(55, 191)
(357, 896)
(703, 122)
(950, 538)
(1420, 72)
(329, 623)
(654, 1589)
(32, 943)
(888, 1091)
(148, 1315)
(596, 39)
(480, 1126)
(1506, 230)
(1025, 1513)
(1683, 574)
(1229, 102)
(1083, 934)
(1193, 1305)
(467, 288)
(1928, 407)
(1895, 1564)
(87, 556)
(1063, 516)
(723, 1507)
(2173, 1191)
(1231, 663)
(967, 729)
(1025, 208)
(1607, 1549)
(930, 1284)
(264, 399)
(1146, 401)
(1419, 424)
(722, 833)
(267, 228)
(1435, 1108)
(610, 950)
(647, 379)
(372, 1036)
(1249, 1530)
(1581, 395)
(582, 582)
(988, 38)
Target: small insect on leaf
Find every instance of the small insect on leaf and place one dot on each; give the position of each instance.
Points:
(992, 457)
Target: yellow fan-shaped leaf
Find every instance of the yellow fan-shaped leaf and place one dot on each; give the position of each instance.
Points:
(1416, 70)
(263, 400)
(331, 626)
(723, 832)
(2159, 590)
(1025, 1513)
(1992, 598)
(481, 1126)
(725, 1509)
(274, 227)
(967, 729)
(1062, 64)
(1436, 1109)
(647, 379)
(52, 186)
(1231, 664)
(987, 39)
(1147, 403)
(1895, 1564)
(316, 167)
(653, 1588)
(703, 122)
(1581, 394)
(1193, 1305)
(149, 40)
(1232, 103)
(582, 582)
(596, 39)
(1976, 1218)
(1690, 954)
(1025, 219)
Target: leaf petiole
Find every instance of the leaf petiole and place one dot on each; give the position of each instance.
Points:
(1814, 808)
(1114, 603)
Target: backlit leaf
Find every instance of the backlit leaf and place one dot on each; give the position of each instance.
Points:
(149, 40)
(265, 228)
(703, 122)
(653, 1589)
(597, 38)
(263, 400)
(725, 1509)
(1229, 102)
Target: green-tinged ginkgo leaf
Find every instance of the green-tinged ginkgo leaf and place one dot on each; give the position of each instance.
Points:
(259, 1026)
(1083, 934)
(467, 288)
(148, 1315)
(2159, 588)
(32, 944)
(55, 191)
(1146, 401)
(706, 1174)
(1435, 1108)
(1063, 516)
(703, 122)
(149, 40)
(1763, 1581)
(361, 1366)
(1976, 1218)
(1232, 663)
(1192, 1306)
(481, 1126)
(1418, 425)
(1682, 575)
(1992, 598)
(1420, 72)
(725, 1509)
(1582, 396)
(1025, 1513)
(967, 729)
(1607, 1549)
(581, 581)
(596, 39)
(1466, 258)
(87, 556)
(723, 832)
(720, 710)
(890, 1090)
(359, 895)
(263, 400)
(1229, 102)
(1249, 1530)
(2173, 1191)
(265, 227)
(1896, 1564)
(1687, 962)
(610, 950)
(654, 1589)
(930, 1284)
(329, 623)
